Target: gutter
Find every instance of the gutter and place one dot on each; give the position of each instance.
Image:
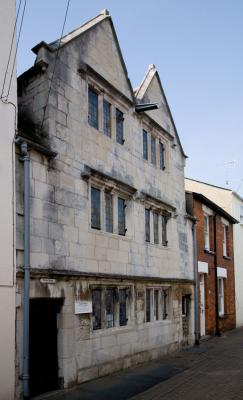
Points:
(26, 160)
(194, 235)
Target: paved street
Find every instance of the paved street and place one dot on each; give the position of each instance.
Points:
(213, 370)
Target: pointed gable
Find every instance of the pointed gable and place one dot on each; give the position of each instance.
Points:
(98, 47)
(151, 91)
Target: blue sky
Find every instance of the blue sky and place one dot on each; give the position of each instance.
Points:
(197, 47)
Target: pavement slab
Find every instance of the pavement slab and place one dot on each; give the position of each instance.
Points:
(212, 370)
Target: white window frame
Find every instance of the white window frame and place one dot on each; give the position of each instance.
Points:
(206, 232)
(224, 228)
(221, 297)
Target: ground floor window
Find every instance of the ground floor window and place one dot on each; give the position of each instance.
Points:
(110, 307)
(157, 304)
(221, 296)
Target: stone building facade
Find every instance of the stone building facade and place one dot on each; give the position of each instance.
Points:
(215, 254)
(110, 246)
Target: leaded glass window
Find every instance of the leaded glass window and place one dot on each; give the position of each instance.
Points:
(153, 150)
(164, 230)
(148, 305)
(119, 126)
(161, 155)
(122, 307)
(107, 118)
(156, 228)
(147, 225)
(145, 145)
(95, 208)
(121, 217)
(93, 108)
(96, 307)
(156, 304)
(109, 298)
(108, 212)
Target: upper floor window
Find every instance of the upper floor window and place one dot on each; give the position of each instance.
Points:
(156, 220)
(156, 227)
(147, 225)
(93, 108)
(95, 208)
(161, 155)
(153, 150)
(119, 127)
(145, 144)
(105, 213)
(225, 240)
(107, 118)
(121, 217)
(164, 230)
(108, 212)
(206, 232)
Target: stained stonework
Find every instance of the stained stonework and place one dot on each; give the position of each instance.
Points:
(63, 243)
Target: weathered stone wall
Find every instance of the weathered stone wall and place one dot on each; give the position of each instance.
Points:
(61, 235)
(84, 354)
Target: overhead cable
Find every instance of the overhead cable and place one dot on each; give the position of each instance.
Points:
(10, 51)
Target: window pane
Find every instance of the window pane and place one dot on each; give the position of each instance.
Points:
(145, 145)
(122, 307)
(96, 305)
(95, 208)
(156, 305)
(153, 152)
(121, 217)
(206, 232)
(156, 228)
(165, 306)
(107, 118)
(93, 108)
(109, 308)
(161, 156)
(147, 225)
(148, 305)
(119, 126)
(164, 231)
(108, 212)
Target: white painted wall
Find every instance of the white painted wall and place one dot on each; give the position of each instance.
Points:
(7, 288)
(230, 202)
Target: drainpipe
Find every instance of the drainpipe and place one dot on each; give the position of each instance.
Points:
(217, 331)
(26, 159)
(194, 234)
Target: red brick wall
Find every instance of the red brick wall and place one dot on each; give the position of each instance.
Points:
(215, 258)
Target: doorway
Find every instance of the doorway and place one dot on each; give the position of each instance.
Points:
(43, 356)
(202, 305)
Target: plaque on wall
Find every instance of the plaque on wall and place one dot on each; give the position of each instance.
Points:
(83, 307)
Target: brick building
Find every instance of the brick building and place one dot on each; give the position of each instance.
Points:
(216, 286)
(110, 247)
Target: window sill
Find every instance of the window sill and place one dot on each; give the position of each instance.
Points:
(209, 252)
(160, 321)
(227, 258)
(157, 246)
(109, 234)
(111, 331)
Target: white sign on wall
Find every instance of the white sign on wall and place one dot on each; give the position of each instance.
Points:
(83, 307)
